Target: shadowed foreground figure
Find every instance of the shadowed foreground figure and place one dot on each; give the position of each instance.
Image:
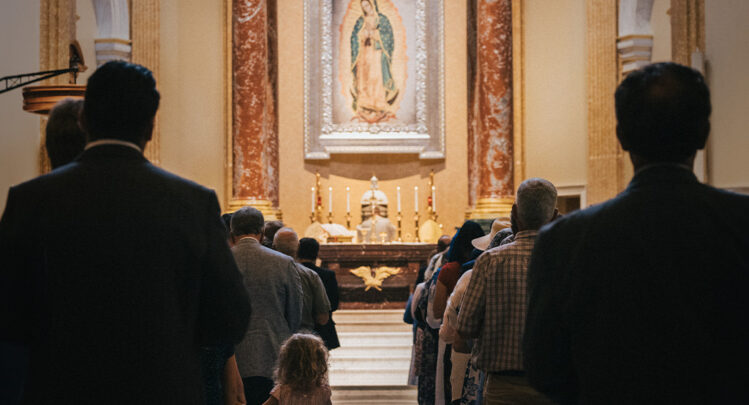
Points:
(644, 298)
(114, 272)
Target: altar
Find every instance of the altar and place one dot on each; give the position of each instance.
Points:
(375, 276)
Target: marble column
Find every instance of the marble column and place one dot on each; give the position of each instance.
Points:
(254, 114)
(490, 116)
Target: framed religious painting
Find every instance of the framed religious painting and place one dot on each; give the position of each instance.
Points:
(374, 77)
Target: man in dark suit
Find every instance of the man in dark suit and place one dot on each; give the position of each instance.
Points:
(114, 272)
(644, 298)
(307, 255)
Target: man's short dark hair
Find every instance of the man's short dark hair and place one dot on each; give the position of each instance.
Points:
(663, 112)
(64, 137)
(121, 102)
(308, 249)
(247, 221)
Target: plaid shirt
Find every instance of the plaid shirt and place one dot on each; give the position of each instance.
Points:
(495, 303)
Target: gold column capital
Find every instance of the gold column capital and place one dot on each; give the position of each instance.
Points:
(269, 212)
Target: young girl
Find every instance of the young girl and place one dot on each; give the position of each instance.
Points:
(302, 372)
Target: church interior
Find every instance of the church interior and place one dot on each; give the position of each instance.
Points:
(512, 89)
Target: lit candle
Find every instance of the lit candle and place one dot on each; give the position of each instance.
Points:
(416, 199)
(313, 199)
(330, 199)
(348, 199)
(434, 199)
(398, 190)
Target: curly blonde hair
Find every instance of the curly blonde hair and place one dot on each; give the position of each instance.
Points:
(302, 363)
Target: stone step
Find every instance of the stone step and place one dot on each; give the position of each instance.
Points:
(373, 326)
(370, 315)
(361, 395)
(345, 363)
(368, 376)
(367, 339)
(372, 351)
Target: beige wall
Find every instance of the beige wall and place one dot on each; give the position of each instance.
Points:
(727, 57)
(192, 91)
(19, 130)
(555, 136)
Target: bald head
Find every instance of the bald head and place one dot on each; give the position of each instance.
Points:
(286, 241)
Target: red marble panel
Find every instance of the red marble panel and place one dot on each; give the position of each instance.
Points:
(254, 121)
(490, 159)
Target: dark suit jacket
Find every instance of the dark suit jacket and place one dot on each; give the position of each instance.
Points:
(328, 332)
(644, 298)
(114, 272)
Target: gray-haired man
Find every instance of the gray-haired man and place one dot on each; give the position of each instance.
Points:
(495, 303)
(272, 280)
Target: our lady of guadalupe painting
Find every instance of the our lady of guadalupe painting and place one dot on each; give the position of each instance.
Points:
(373, 84)
(367, 66)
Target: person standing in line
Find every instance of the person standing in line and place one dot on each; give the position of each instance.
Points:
(114, 272)
(495, 302)
(274, 283)
(316, 308)
(627, 304)
(307, 255)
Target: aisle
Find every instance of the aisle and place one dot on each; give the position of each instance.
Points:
(371, 366)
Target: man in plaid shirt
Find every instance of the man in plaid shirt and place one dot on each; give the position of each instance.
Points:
(495, 304)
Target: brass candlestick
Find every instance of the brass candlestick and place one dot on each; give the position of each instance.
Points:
(400, 229)
(348, 220)
(330, 217)
(416, 226)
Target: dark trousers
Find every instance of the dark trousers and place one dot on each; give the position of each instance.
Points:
(257, 389)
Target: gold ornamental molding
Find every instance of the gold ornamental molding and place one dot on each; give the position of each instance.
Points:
(264, 206)
(491, 208)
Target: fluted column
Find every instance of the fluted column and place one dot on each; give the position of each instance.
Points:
(145, 34)
(254, 94)
(490, 117)
(606, 163)
(56, 32)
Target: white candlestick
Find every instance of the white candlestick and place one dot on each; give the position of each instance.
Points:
(348, 199)
(398, 191)
(330, 199)
(313, 199)
(416, 199)
(434, 199)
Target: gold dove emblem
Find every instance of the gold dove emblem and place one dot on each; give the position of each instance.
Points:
(374, 280)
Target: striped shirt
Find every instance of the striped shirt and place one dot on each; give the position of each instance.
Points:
(495, 305)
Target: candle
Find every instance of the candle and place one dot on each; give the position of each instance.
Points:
(313, 199)
(416, 199)
(398, 190)
(434, 199)
(330, 199)
(348, 199)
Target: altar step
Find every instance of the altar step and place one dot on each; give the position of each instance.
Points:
(371, 366)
